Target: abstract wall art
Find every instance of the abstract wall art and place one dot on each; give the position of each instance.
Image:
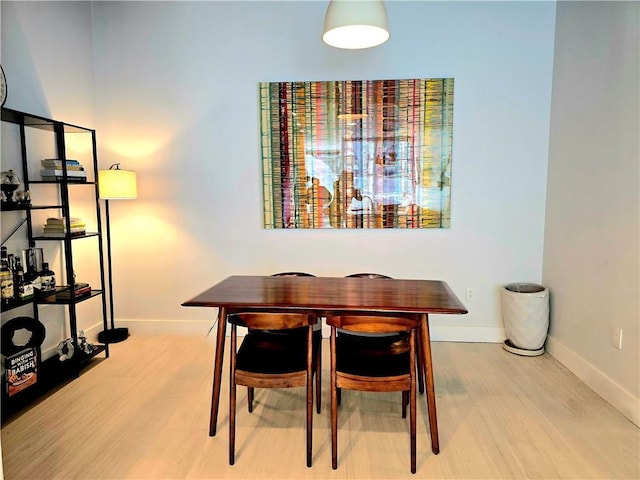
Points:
(357, 154)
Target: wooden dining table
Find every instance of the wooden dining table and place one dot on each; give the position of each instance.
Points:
(327, 296)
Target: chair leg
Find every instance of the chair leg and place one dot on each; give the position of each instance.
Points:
(339, 395)
(310, 360)
(309, 421)
(334, 403)
(420, 365)
(405, 401)
(319, 379)
(412, 406)
(412, 421)
(232, 397)
(250, 394)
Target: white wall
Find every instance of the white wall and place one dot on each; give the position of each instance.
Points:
(46, 53)
(592, 239)
(176, 87)
(176, 99)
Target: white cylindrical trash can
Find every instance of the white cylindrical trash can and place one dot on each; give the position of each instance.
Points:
(525, 311)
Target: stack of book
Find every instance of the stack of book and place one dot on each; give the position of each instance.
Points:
(57, 227)
(80, 290)
(53, 170)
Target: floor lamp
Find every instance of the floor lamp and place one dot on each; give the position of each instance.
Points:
(114, 184)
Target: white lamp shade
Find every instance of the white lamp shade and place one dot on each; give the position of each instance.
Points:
(354, 24)
(116, 184)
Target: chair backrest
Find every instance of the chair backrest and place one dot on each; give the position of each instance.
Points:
(367, 275)
(272, 321)
(374, 323)
(237, 318)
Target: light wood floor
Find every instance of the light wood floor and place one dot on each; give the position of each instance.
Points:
(143, 414)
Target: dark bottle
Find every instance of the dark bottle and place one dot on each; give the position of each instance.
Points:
(25, 288)
(11, 262)
(17, 266)
(32, 260)
(47, 279)
(6, 279)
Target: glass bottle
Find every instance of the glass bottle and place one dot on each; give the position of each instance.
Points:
(17, 266)
(11, 263)
(32, 262)
(9, 182)
(25, 288)
(6, 279)
(47, 279)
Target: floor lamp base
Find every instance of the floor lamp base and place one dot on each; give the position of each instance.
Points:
(115, 335)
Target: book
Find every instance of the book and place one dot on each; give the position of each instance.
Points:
(58, 161)
(61, 221)
(63, 234)
(59, 178)
(81, 290)
(79, 229)
(21, 370)
(70, 168)
(70, 164)
(60, 228)
(60, 173)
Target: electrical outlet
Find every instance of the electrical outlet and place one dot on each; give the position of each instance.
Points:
(469, 294)
(616, 338)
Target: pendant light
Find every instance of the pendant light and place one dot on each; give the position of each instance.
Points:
(354, 24)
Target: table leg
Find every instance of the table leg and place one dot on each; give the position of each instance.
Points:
(425, 344)
(217, 370)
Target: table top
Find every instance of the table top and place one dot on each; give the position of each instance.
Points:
(330, 295)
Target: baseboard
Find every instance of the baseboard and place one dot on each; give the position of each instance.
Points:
(457, 333)
(439, 333)
(604, 386)
(180, 327)
(466, 333)
(144, 327)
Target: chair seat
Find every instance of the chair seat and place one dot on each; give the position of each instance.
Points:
(384, 356)
(275, 351)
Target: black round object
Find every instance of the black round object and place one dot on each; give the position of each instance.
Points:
(37, 329)
(115, 335)
(3, 87)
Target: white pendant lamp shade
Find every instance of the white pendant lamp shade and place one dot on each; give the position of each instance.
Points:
(354, 24)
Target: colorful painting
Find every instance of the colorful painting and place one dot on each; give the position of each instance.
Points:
(357, 154)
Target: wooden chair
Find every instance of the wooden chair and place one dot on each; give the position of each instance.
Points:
(273, 361)
(373, 364)
(418, 351)
(317, 330)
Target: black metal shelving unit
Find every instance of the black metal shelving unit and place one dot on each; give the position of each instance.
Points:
(52, 372)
